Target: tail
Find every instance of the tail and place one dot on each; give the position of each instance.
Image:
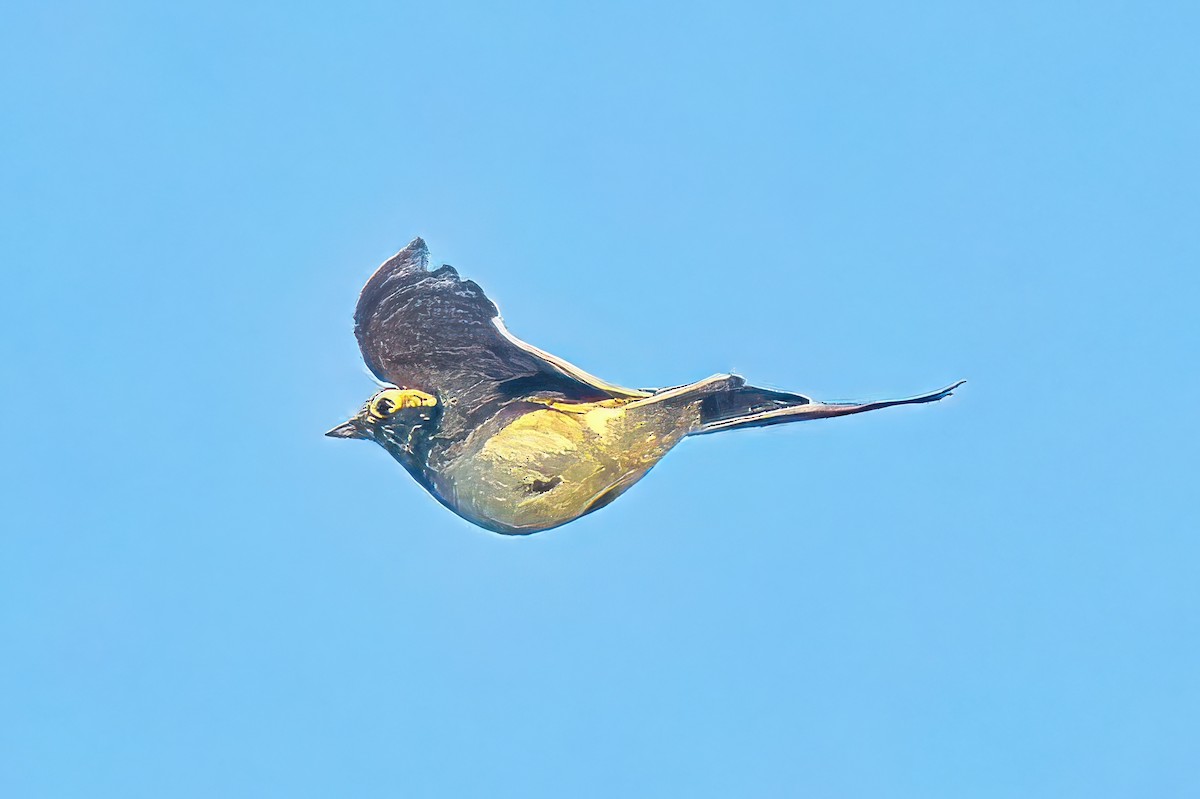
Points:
(748, 406)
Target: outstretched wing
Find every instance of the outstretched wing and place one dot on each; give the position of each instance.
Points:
(437, 332)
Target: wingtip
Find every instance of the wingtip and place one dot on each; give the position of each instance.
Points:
(417, 245)
(415, 252)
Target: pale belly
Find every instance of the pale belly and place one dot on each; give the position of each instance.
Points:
(548, 467)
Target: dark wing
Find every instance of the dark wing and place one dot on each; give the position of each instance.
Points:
(437, 332)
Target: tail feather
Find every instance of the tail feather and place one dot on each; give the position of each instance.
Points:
(748, 406)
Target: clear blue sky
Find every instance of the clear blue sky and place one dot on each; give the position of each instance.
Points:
(996, 596)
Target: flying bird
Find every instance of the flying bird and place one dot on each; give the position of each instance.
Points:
(511, 437)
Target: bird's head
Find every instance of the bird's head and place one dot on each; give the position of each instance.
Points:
(393, 417)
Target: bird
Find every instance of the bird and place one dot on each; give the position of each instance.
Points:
(510, 437)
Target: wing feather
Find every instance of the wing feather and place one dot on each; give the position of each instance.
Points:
(435, 331)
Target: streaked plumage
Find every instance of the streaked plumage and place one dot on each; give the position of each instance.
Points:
(511, 437)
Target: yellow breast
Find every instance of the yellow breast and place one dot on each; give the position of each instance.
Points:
(550, 466)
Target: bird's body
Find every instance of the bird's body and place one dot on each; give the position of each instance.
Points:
(542, 467)
(510, 437)
(546, 467)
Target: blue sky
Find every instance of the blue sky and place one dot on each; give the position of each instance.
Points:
(990, 597)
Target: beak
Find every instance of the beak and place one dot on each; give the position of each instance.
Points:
(347, 430)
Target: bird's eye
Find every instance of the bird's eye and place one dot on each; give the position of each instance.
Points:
(382, 407)
(387, 402)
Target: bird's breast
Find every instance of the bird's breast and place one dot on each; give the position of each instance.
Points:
(547, 467)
